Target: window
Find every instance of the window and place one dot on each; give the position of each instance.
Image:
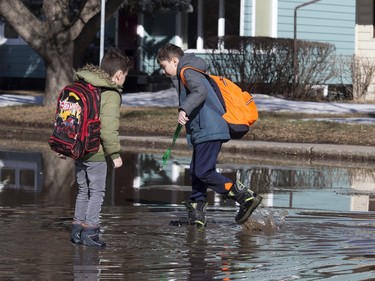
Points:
(7, 176)
(232, 17)
(210, 17)
(371, 205)
(8, 36)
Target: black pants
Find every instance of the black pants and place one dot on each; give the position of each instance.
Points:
(203, 171)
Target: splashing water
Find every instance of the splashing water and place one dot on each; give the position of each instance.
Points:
(265, 219)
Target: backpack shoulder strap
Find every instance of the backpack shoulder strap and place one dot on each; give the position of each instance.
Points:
(182, 76)
(89, 85)
(210, 79)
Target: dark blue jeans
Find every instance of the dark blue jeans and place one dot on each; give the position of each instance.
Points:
(203, 171)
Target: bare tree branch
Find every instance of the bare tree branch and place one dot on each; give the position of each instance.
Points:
(90, 29)
(90, 10)
(24, 22)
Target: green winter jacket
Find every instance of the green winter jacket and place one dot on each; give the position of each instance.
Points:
(109, 112)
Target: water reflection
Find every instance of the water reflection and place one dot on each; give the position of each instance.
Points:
(21, 170)
(328, 232)
(288, 187)
(86, 264)
(140, 182)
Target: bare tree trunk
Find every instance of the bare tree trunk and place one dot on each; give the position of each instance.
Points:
(59, 72)
(59, 177)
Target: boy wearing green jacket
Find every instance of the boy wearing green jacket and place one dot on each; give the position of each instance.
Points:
(91, 171)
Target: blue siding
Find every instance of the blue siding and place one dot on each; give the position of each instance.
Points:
(329, 21)
(20, 61)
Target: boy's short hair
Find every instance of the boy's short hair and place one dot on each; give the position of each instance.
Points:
(114, 60)
(168, 51)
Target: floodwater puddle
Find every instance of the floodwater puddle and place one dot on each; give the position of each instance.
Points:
(315, 223)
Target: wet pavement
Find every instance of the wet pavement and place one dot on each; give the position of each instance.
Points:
(143, 246)
(316, 223)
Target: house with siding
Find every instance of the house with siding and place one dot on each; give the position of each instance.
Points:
(325, 21)
(20, 65)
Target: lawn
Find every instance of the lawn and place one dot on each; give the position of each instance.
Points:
(32, 124)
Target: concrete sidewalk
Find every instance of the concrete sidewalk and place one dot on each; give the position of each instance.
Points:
(265, 150)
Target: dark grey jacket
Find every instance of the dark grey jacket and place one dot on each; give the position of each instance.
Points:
(200, 103)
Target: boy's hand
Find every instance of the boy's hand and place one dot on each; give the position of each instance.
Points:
(117, 162)
(182, 118)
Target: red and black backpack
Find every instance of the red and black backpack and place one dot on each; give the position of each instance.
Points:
(76, 130)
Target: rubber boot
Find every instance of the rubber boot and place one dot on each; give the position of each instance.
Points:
(247, 199)
(90, 237)
(196, 212)
(75, 236)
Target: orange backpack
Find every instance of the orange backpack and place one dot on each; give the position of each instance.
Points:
(240, 109)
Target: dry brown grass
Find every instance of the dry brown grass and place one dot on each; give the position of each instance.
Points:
(34, 124)
(293, 128)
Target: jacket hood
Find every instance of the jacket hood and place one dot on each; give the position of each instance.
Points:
(192, 60)
(96, 76)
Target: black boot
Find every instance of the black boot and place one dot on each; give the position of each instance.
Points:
(196, 212)
(247, 199)
(90, 237)
(75, 236)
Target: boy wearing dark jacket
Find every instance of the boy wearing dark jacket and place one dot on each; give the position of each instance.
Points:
(91, 171)
(201, 112)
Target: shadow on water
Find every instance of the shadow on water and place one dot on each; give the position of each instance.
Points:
(316, 223)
